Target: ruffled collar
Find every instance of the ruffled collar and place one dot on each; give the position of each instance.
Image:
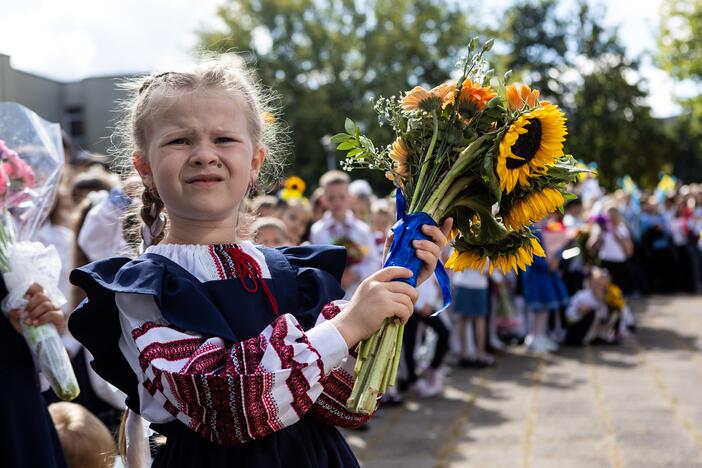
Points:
(205, 261)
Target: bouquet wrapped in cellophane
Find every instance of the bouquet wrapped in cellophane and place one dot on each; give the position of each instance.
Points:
(492, 161)
(32, 158)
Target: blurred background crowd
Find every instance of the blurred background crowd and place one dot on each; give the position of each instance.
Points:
(603, 249)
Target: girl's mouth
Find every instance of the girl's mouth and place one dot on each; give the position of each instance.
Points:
(204, 180)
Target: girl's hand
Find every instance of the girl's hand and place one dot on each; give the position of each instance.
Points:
(378, 297)
(40, 310)
(429, 251)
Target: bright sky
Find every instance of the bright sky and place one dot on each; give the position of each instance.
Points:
(72, 39)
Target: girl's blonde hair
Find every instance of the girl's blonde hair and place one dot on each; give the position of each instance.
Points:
(148, 94)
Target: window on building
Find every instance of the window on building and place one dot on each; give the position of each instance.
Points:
(74, 124)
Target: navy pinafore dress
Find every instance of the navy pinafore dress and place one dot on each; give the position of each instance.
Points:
(303, 280)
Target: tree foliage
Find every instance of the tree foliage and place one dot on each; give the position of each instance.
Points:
(574, 59)
(680, 53)
(537, 47)
(329, 59)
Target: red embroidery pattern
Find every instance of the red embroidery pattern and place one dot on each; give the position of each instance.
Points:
(144, 329)
(227, 395)
(330, 407)
(296, 382)
(233, 262)
(330, 311)
(170, 351)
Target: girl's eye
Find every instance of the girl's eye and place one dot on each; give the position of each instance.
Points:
(224, 140)
(178, 141)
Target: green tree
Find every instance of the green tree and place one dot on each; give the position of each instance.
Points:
(536, 40)
(680, 53)
(609, 121)
(329, 59)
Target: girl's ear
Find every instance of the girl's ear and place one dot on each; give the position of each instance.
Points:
(257, 161)
(143, 168)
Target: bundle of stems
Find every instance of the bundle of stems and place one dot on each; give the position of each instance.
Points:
(377, 361)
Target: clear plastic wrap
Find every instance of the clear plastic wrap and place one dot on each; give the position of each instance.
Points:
(30, 171)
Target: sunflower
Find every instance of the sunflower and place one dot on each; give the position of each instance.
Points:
(420, 98)
(399, 153)
(459, 261)
(532, 143)
(295, 183)
(520, 94)
(518, 256)
(533, 207)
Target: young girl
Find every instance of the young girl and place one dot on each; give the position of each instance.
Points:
(239, 355)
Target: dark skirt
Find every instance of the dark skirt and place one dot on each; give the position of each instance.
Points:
(28, 438)
(306, 444)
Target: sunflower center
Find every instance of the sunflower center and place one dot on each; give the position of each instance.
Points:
(526, 145)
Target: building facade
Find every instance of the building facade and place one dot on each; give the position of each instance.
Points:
(85, 109)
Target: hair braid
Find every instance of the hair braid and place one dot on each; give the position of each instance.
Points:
(154, 221)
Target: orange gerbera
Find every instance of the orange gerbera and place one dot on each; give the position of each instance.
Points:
(476, 93)
(416, 99)
(519, 95)
(399, 153)
(445, 92)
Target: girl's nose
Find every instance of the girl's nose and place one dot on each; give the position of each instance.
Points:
(204, 155)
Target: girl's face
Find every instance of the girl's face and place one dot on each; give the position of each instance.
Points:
(295, 219)
(200, 157)
(271, 236)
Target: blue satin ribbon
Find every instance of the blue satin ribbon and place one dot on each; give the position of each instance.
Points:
(407, 229)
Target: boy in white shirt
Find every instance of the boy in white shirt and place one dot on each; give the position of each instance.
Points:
(340, 227)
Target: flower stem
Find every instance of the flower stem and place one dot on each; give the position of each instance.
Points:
(425, 164)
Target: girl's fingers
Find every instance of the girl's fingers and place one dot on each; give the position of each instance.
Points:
(430, 259)
(54, 316)
(405, 307)
(390, 273)
(35, 300)
(399, 287)
(439, 235)
(35, 314)
(429, 246)
(34, 289)
(447, 226)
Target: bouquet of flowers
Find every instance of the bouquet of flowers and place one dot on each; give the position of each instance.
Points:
(29, 177)
(492, 161)
(614, 297)
(354, 252)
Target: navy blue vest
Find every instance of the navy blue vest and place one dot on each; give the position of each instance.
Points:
(304, 279)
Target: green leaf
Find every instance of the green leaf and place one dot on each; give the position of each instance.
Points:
(488, 173)
(350, 126)
(340, 137)
(347, 145)
(354, 152)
